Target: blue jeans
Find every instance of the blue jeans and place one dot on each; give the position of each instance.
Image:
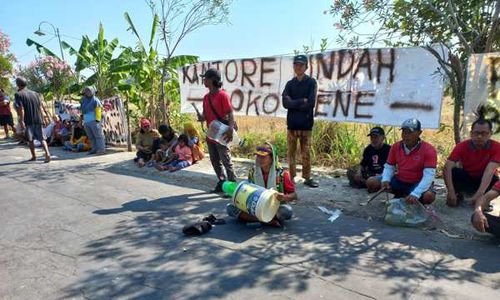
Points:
(179, 164)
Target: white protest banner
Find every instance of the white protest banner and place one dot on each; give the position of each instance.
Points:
(482, 88)
(383, 86)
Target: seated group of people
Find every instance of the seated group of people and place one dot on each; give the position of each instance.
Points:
(408, 169)
(68, 133)
(165, 150)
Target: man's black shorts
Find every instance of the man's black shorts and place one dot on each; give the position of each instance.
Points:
(6, 120)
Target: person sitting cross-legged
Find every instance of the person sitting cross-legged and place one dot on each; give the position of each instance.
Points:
(368, 174)
(144, 142)
(79, 142)
(472, 166)
(165, 145)
(268, 173)
(415, 161)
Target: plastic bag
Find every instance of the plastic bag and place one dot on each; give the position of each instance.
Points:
(399, 213)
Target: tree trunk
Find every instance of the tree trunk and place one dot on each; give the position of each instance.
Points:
(152, 110)
(163, 103)
(457, 109)
(129, 136)
(458, 70)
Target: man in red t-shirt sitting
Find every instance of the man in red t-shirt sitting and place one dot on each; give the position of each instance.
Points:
(217, 106)
(267, 173)
(415, 161)
(486, 222)
(472, 166)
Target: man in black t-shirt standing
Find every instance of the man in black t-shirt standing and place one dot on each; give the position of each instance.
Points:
(299, 98)
(30, 111)
(369, 172)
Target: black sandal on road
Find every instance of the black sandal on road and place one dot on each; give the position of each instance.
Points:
(197, 229)
(214, 221)
(218, 188)
(311, 183)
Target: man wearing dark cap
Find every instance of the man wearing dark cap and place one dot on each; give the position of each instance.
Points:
(369, 172)
(416, 162)
(30, 110)
(299, 98)
(217, 106)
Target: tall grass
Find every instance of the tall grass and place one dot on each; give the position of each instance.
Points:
(335, 145)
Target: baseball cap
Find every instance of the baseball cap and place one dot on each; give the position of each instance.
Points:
(412, 124)
(377, 131)
(212, 73)
(264, 150)
(300, 59)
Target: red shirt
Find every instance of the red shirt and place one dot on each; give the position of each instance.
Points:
(5, 108)
(221, 104)
(288, 185)
(474, 160)
(496, 187)
(411, 166)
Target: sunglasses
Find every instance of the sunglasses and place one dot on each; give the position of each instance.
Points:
(264, 149)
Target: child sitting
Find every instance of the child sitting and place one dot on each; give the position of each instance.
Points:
(161, 155)
(182, 158)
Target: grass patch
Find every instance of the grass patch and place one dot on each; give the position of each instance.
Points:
(335, 145)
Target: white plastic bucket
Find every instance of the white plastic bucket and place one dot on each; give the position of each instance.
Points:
(216, 132)
(256, 201)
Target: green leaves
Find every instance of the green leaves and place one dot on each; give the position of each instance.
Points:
(40, 48)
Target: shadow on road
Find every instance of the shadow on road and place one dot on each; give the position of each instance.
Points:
(147, 257)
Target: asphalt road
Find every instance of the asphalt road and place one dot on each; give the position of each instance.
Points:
(93, 228)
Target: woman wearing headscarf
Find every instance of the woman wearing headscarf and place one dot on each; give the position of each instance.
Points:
(194, 141)
(91, 108)
(144, 142)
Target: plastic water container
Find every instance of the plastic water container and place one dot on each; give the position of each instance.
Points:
(216, 132)
(256, 201)
(228, 187)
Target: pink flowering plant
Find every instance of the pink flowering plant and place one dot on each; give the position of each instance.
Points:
(4, 43)
(50, 74)
(6, 61)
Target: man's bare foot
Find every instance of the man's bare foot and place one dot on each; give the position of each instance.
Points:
(32, 159)
(47, 159)
(159, 167)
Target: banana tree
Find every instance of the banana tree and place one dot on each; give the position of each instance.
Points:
(143, 64)
(96, 56)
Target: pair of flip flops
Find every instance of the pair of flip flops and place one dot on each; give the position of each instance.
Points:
(202, 227)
